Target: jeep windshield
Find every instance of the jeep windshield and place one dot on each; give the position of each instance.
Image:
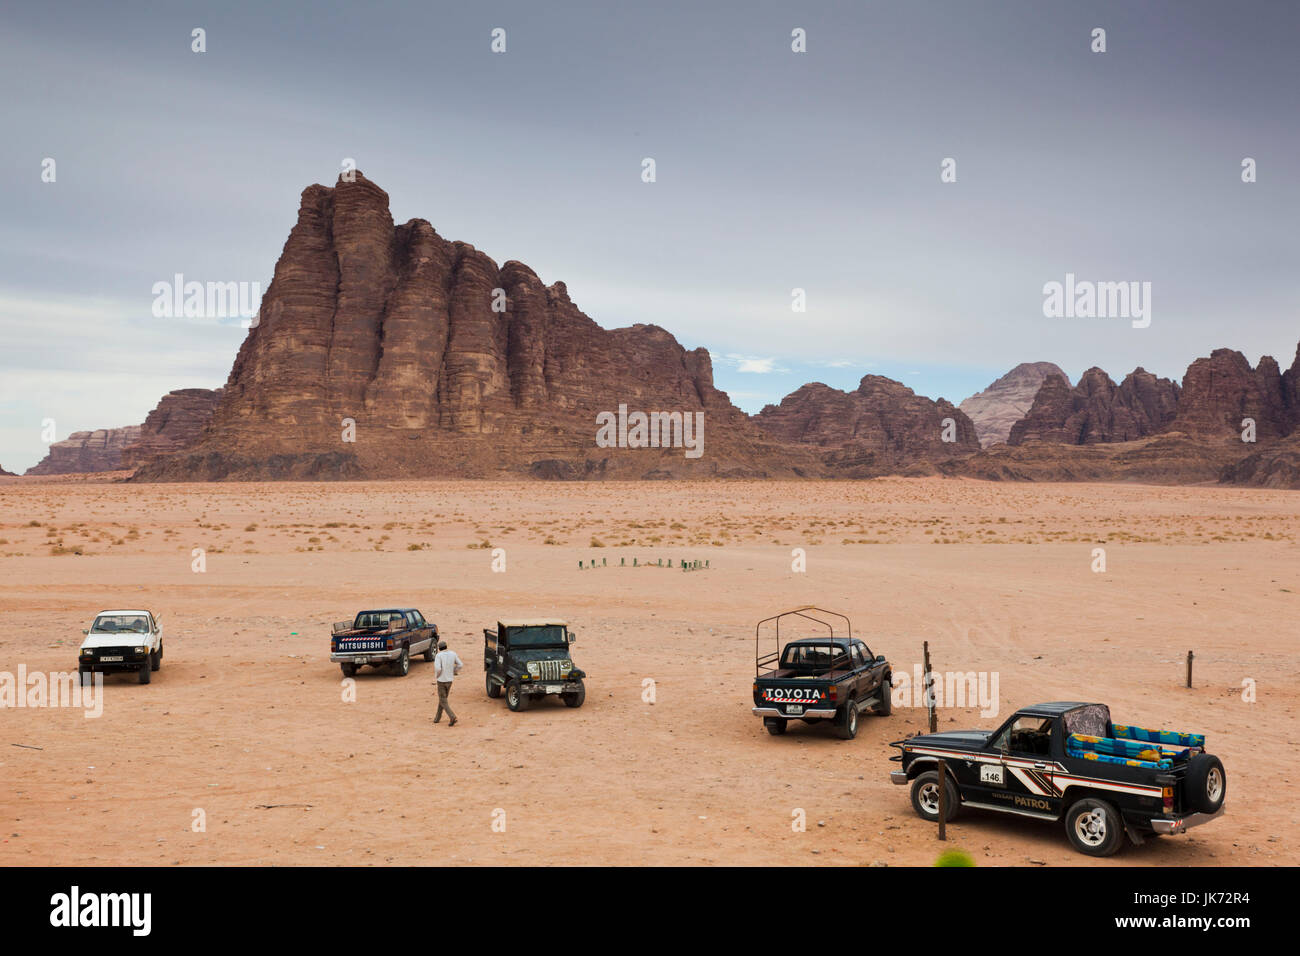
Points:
(120, 624)
(547, 635)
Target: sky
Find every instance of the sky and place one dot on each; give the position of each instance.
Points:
(774, 171)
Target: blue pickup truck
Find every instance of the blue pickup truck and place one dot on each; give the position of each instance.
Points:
(386, 638)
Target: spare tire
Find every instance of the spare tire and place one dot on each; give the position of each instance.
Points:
(1207, 784)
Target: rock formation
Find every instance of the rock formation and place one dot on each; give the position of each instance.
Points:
(1098, 411)
(1222, 390)
(882, 427)
(173, 425)
(387, 351)
(81, 452)
(1007, 400)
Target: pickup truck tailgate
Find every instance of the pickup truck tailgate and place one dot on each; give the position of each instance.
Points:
(795, 697)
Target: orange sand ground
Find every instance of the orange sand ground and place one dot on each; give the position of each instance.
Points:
(246, 722)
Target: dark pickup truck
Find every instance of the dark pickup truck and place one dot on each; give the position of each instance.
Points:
(833, 678)
(1067, 762)
(386, 638)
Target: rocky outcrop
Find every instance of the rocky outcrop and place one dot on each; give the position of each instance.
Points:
(882, 427)
(1097, 411)
(1276, 465)
(1221, 391)
(1169, 458)
(173, 425)
(1007, 400)
(6, 474)
(386, 350)
(82, 452)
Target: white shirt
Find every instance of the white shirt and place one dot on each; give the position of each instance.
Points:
(446, 664)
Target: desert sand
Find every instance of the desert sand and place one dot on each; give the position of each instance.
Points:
(246, 720)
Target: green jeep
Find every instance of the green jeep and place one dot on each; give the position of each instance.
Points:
(531, 659)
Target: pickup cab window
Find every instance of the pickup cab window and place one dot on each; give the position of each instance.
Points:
(417, 619)
(811, 658)
(1031, 736)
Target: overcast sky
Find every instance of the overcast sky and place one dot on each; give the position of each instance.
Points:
(775, 170)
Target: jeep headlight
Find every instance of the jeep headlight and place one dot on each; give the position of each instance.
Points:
(565, 667)
(534, 668)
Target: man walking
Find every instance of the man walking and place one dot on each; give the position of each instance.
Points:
(446, 665)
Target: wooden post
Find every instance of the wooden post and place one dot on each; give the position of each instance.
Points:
(943, 799)
(934, 728)
(927, 689)
(1190, 655)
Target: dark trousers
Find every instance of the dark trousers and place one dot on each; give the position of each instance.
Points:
(444, 689)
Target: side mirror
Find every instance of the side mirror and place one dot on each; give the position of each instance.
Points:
(85, 631)
(880, 658)
(573, 638)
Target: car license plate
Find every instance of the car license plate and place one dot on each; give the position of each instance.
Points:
(794, 708)
(553, 688)
(111, 660)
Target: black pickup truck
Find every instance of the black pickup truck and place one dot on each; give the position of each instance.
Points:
(1067, 761)
(833, 678)
(386, 638)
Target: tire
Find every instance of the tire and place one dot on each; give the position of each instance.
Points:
(925, 796)
(1207, 784)
(494, 690)
(1094, 828)
(402, 666)
(432, 652)
(846, 725)
(349, 670)
(87, 676)
(576, 698)
(516, 699)
(886, 690)
(146, 671)
(155, 659)
(775, 725)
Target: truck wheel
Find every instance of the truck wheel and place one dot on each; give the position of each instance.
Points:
(145, 671)
(402, 666)
(349, 670)
(775, 725)
(155, 659)
(432, 652)
(516, 699)
(1094, 827)
(1207, 784)
(886, 690)
(846, 725)
(494, 690)
(576, 698)
(925, 796)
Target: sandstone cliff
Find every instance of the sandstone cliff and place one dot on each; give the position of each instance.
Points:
(173, 425)
(81, 452)
(995, 409)
(386, 350)
(1097, 410)
(882, 427)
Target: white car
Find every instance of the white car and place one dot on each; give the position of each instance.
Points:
(121, 641)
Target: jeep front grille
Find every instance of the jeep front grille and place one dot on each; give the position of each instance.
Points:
(549, 670)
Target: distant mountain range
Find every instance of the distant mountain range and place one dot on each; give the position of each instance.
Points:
(386, 351)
